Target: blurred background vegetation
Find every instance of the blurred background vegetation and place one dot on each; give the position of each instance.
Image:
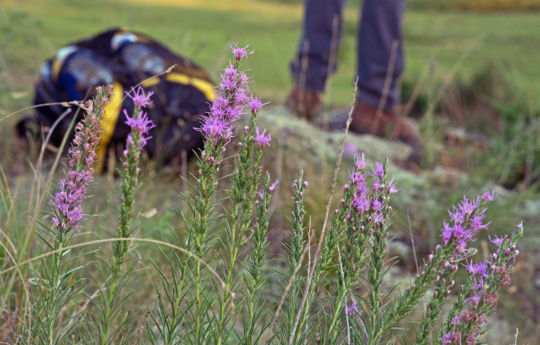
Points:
(472, 80)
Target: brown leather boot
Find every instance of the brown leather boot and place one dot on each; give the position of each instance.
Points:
(304, 103)
(389, 124)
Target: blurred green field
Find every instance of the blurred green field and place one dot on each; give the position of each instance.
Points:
(456, 45)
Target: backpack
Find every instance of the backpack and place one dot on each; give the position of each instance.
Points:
(124, 59)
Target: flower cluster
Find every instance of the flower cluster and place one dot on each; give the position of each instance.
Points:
(139, 123)
(240, 52)
(67, 203)
(232, 97)
(486, 277)
(261, 138)
(139, 97)
(366, 200)
(467, 219)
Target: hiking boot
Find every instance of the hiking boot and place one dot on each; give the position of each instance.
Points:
(304, 103)
(390, 124)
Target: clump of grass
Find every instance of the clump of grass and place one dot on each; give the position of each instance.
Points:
(213, 288)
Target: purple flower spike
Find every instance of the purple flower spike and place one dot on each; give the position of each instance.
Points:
(261, 138)
(215, 128)
(67, 202)
(255, 104)
(379, 170)
(139, 98)
(240, 52)
(140, 125)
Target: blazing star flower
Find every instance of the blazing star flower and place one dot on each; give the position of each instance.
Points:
(496, 240)
(469, 206)
(361, 203)
(447, 338)
(230, 73)
(140, 125)
(456, 320)
(255, 104)
(139, 98)
(261, 138)
(229, 104)
(479, 268)
(359, 160)
(273, 185)
(379, 170)
(351, 309)
(67, 202)
(392, 187)
(240, 52)
(215, 128)
(487, 196)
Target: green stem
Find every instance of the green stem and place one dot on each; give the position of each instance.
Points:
(331, 334)
(198, 303)
(110, 301)
(176, 305)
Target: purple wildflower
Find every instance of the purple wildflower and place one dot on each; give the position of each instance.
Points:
(456, 320)
(139, 98)
(255, 104)
(240, 52)
(67, 202)
(261, 138)
(379, 170)
(467, 206)
(361, 204)
(467, 220)
(479, 268)
(378, 217)
(447, 338)
(351, 309)
(446, 233)
(140, 125)
(496, 240)
(487, 196)
(359, 160)
(229, 104)
(392, 187)
(273, 185)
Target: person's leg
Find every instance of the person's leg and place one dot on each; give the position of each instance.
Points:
(380, 66)
(320, 35)
(380, 27)
(315, 57)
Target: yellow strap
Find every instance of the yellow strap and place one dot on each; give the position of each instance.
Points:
(202, 85)
(56, 67)
(108, 123)
(150, 82)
